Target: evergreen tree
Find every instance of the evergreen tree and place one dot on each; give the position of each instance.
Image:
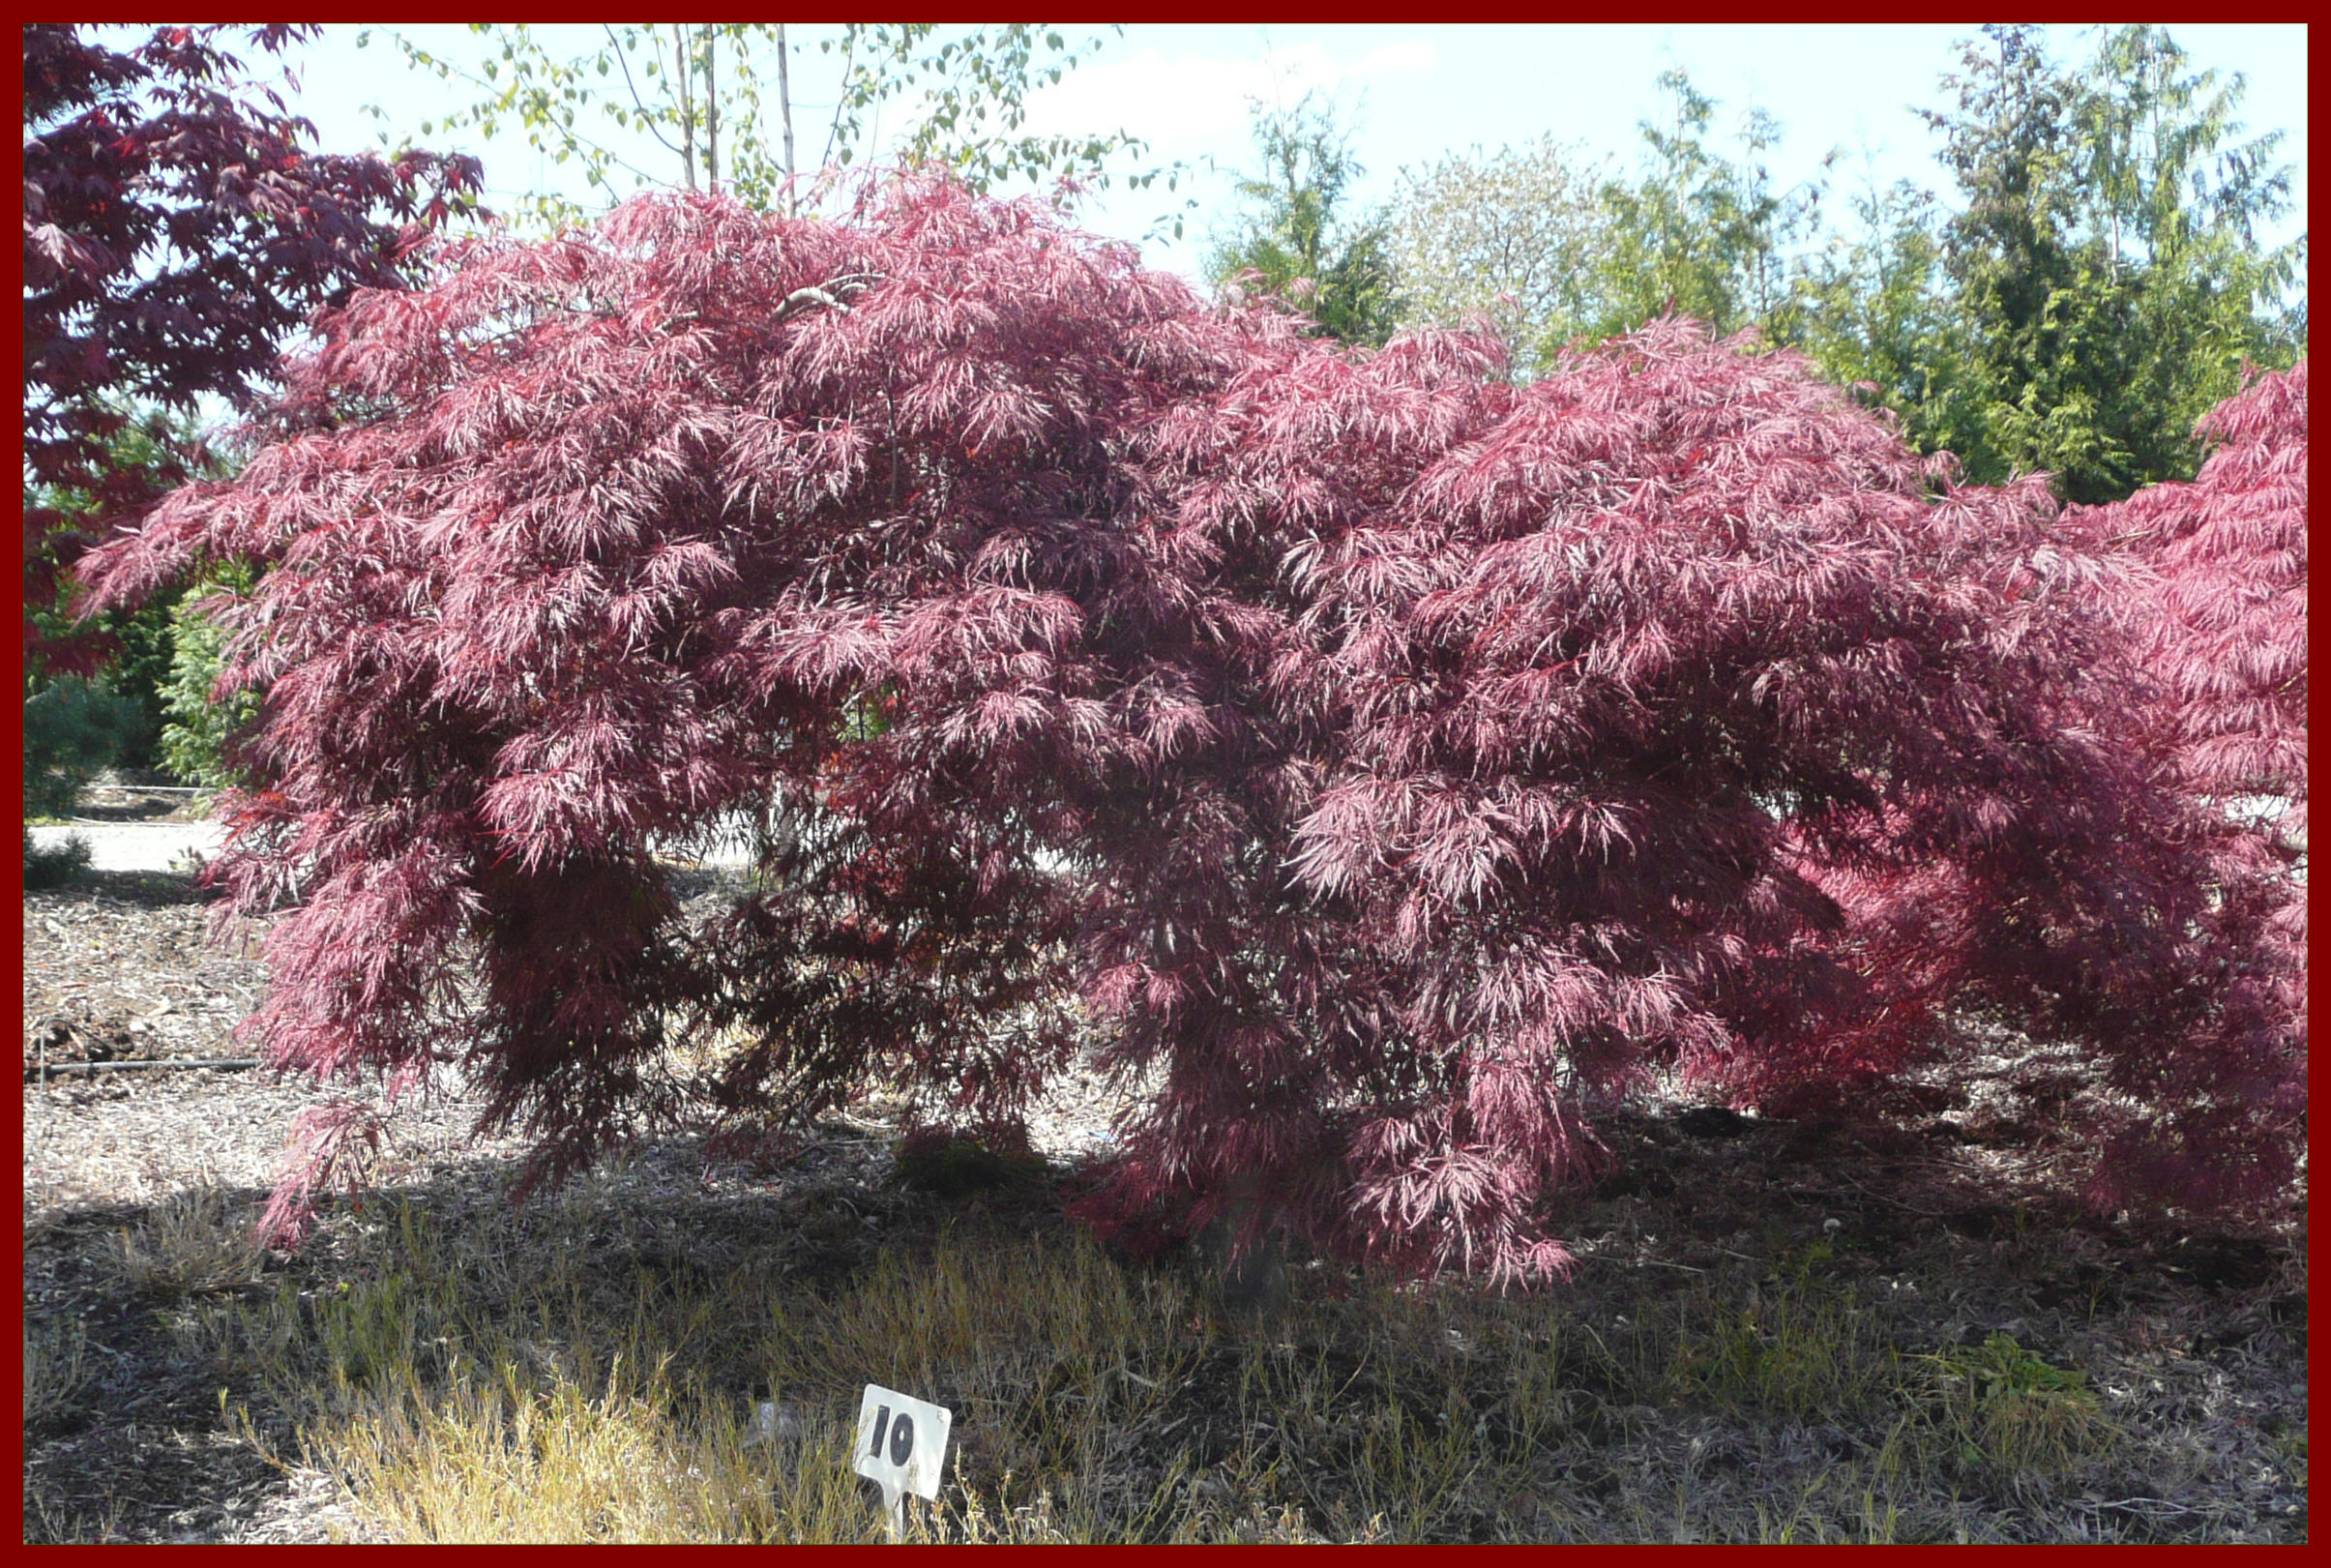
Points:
(1298, 235)
(2106, 281)
(2091, 287)
(1697, 233)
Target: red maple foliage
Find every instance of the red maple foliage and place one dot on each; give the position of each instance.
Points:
(2218, 624)
(2224, 619)
(176, 228)
(1401, 764)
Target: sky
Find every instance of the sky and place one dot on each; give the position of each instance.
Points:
(1409, 93)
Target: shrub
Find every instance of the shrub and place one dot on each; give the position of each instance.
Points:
(199, 716)
(73, 730)
(54, 865)
(1401, 764)
(953, 1162)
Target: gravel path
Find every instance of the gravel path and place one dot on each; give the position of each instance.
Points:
(134, 846)
(158, 847)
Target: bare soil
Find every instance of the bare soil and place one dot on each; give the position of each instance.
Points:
(2196, 1339)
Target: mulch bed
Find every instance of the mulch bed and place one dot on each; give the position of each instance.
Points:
(2197, 1340)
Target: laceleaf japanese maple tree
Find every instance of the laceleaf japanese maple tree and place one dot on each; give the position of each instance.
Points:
(1673, 723)
(1398, 764)
(2223, 620)
(642, 544)
(2218, 628)
(177, 227)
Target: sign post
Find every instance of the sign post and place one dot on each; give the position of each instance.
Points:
(900, 1446)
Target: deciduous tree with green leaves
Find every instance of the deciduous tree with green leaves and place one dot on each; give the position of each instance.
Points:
(1876, 312)
(1298, 235)
(702, 93)
(1556, 249)
(1697, 233)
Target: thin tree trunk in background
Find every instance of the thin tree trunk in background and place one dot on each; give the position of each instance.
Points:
(712, 112)
(688, 103)
(784, 109)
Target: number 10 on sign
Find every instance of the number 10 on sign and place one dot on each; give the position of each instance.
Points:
(901, 1444)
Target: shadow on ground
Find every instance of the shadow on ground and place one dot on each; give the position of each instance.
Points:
(1776, 1331)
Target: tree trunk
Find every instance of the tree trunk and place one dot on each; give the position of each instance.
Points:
(712, 112)
(687, 104)
(784, 111)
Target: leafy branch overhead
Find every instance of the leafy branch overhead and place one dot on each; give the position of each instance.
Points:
(719, 98)
(177, 229)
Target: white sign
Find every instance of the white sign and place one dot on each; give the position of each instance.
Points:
(901, 1444)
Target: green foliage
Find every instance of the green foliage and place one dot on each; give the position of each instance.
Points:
(1801, 1348)
(74, 728)
(142, 672)
(194, 734)
(1297, 235)
(152, 451)
(973, 93)
(2008, 1409)
(1697, 232)
(1520, 236)
(1876, 312)
(2105, 275)
(2093, 285)
(54, 865)
(153, 666)
(954, 1163)
(703, 92)
(1555, 250)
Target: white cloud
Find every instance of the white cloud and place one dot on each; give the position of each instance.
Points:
(1186, 106)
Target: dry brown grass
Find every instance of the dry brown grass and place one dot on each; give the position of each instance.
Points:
(53, 1367)
(1771, 1338)
(1778, 1333)
(188, 1244)
(569, 1374)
